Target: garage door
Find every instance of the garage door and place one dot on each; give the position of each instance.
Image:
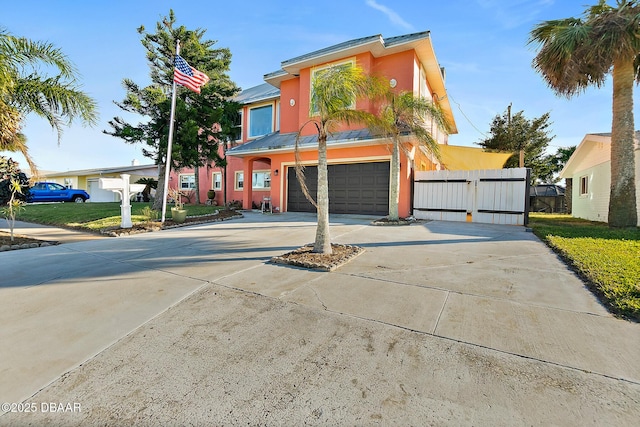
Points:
(358, 188)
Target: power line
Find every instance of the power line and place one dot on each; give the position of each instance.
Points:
(466, 117)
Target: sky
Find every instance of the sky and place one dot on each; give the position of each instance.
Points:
(482, 44)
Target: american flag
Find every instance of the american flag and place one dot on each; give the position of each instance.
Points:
(187, 76)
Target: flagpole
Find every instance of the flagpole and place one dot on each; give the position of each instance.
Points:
(167, 168)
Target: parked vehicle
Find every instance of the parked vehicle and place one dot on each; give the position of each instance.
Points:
(54, 192)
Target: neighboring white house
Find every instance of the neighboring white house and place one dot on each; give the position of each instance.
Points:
(88, 179)
(589, 169)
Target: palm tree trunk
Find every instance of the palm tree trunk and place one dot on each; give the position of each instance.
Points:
(622, 202)
(157, 202)
(323, 239)
(394, 183)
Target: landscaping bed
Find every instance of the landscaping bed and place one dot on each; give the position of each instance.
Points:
(306, 258)
(144, 227)
(20, 242)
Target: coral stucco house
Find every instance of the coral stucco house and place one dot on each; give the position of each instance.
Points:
(261, 163)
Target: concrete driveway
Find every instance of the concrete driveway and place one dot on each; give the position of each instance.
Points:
(436, 323)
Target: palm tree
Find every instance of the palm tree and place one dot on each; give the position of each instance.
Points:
(24, 90)
(403, 114)
(576, 53)
(334, 92)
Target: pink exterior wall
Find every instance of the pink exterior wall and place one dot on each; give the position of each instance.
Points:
(289, 115)
(400, 66)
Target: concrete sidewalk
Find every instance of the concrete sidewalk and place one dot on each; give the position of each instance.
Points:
(48, 233)
(436, 323)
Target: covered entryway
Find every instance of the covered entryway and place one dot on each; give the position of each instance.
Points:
(355, 188)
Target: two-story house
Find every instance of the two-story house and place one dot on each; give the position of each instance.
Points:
(261, 163)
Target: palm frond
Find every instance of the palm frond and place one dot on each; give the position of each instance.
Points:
(19, 52)
(59, 103)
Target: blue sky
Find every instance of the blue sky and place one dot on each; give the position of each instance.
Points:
(482, 44)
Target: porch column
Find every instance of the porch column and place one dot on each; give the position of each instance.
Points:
(247, 189)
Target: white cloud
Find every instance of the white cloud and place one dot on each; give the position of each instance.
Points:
(515, 13)
(391, 14)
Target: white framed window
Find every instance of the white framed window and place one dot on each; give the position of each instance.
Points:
(187, 181)
(313, 102)
(216, 181)
(239, 180)
(237, 127)
(584, 185)
(260, 120)
(261, 180)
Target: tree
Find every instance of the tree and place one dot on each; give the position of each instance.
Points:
(14, 191)
(576, 53)
(200, 118)
(24, 89)
(402, 114)
(149, 184)
(514, 133)
(554, 163)
(334, 92)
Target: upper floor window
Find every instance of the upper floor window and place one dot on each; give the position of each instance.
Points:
(315, 73)
(237, 127)
(187, 182)
(260, 121)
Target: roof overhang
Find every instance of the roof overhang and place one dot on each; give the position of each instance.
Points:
(581, 158)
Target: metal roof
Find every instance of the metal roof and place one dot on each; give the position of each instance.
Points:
(100, 171)
(287, 141)
(335, 48)
(546, 190)
(257, 93)
(349, 45)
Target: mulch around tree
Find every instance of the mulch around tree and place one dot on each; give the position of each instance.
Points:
(306, 258)
(341, 254)
(399, 221)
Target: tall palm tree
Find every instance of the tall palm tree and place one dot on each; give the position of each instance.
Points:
(402, 116)
(576, 53)
(334, 92)
(24, 90)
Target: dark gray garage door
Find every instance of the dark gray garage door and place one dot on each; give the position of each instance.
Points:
(359, 188)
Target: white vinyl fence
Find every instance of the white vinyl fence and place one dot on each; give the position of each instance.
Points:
(496, 196)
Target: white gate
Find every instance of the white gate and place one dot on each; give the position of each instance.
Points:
(496, 196)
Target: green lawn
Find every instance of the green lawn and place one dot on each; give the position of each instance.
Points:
(608, 259)
(95, 216)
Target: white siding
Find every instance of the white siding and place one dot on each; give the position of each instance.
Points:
(593, 206)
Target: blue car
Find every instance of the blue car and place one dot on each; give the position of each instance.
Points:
(54, 192)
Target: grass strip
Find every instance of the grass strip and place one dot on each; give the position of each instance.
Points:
(607, 259)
